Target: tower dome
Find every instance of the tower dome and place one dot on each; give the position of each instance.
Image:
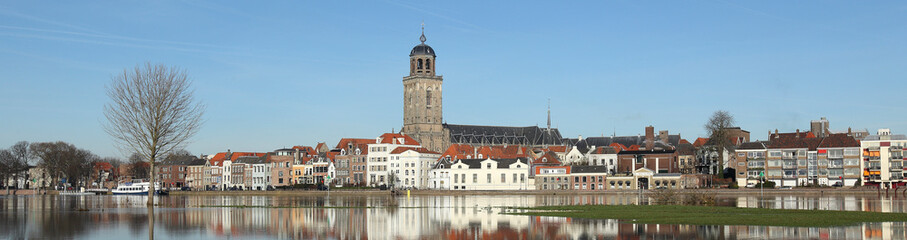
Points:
(422, 58)
(422, 48)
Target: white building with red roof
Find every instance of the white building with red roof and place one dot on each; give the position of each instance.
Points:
(379, 154)
(410, 166)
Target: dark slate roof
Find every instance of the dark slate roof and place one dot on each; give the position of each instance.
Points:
(787, 141)
(813, 143)
(502, 163)
(588, 169)
(250, 160)
(586, 143)
(422, 49)
(839, 140)
(502, 135)
(443, 162)
(603, 150)
(179, 160)
(686, 149)
(760, 145)
(197, 162)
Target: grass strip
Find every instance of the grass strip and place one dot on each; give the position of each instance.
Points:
(249, 206)
(703, 215)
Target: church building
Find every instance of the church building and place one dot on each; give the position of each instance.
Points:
(423, 115)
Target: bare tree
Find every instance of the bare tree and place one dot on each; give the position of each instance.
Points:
(15, 161)
(138, 168)
(719, 135)
(51, 157)
(152, 112)
(5, 158)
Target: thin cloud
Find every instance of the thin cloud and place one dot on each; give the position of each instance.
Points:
(445, 17)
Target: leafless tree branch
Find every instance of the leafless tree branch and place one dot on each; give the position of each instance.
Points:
(152, 112)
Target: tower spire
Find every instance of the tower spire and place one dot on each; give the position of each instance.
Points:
(422, 38)
(549, 115)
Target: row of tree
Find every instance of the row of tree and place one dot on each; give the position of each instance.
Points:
(61, 161)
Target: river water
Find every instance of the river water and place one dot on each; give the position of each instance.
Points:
(386, 217)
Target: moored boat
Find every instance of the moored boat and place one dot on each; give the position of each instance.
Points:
(136, 187)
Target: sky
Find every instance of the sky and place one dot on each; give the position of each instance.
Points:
(282, 73)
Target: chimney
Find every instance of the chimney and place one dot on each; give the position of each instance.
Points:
(663, 135)
(798, 133)
(650, 137)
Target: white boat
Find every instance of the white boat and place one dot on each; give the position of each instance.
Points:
(136, 187)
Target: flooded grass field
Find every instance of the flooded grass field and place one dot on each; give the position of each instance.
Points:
(416, 217)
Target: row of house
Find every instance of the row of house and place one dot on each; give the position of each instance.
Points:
(840, 159)
(647, 161)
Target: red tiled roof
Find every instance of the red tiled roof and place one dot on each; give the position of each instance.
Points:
(559, 149)
(419, 150)
(355, 141)
(700, 142)
(463, 151)
(305, 149)
(682, 141)
(332, 154)
(548, 158)
(391, 138)
(619, 147)
(106, 166)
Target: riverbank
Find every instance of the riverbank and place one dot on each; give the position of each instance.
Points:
(702, 215)
(375, 192)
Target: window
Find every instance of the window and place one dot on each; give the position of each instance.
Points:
(835, 153)
(503, 178)
(514, 178)
(475, 178)
(852, 152)
(428, 98)
(489, 178)
(456, 178)
(522, 177)
(774, 154)
(575, 179)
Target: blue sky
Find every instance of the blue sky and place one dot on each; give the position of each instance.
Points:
(278, 74)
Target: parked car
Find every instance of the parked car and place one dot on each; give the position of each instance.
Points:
(750, 185)
(838, 184)
(785, 187)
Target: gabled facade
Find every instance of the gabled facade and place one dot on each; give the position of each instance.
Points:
(410, 166)
(490, 174)
(379, 155)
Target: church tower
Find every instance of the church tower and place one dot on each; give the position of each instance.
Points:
(422, 98)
